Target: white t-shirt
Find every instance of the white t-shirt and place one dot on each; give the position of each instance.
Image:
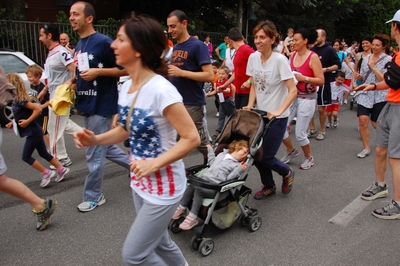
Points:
(229, 55)
(56, 69)
(152, 135)
(269, 79)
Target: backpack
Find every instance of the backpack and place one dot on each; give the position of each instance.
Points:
(392, 75)
(7, 90)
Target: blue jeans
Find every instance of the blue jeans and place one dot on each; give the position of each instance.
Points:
(271, 143)
(226, 108)
(96, 157)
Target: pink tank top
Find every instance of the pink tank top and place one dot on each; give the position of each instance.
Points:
(305, 70)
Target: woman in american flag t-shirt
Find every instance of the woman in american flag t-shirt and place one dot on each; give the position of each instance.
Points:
(151, 114)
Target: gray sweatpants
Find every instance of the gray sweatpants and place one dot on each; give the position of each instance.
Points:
(148, 241)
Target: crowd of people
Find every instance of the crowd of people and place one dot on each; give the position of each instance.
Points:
(161, 113)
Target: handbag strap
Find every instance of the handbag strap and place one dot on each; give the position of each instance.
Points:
(128, 119)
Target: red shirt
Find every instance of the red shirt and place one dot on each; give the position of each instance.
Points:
(222, 82)
(305, 70)
(240, 65)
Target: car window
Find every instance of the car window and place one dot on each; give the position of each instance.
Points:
(12, 63)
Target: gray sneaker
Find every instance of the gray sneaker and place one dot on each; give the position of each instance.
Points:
(87, 206)
(335, 124)
(389, 212)
(47, 178)
(311, 132)
(44, 216)
(321, 135)
(375, 192)
(290, 155)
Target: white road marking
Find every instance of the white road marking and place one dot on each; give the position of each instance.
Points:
(345, 216)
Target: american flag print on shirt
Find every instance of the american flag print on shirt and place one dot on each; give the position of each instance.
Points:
(145, 144)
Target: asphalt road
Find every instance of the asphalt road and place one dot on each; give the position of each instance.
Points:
(321, 222)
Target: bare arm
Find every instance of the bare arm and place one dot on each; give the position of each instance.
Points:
(316, 66)
(92, 73)
(203, 76)
(252, 96)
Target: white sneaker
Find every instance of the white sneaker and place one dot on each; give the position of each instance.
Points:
(217, 115)
(364, 153)
(87, 206)
(307, 164)
(321, 135)
(345, 101)
(328, 125)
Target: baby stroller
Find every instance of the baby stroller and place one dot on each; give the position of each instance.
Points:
(229, 202)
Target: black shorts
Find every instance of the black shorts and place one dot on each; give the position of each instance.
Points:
(324, 96)
(373, 112)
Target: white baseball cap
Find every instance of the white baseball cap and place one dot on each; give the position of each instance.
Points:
(395, 18)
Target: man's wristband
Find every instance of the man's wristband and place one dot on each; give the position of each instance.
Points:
(327, 69)
(374, 85)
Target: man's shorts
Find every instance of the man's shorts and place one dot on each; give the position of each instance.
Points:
(388, 128)
(324, 97)
(197, 114)
(334, 107)
(373, 112)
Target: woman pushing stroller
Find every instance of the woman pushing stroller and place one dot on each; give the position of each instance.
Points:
(228, 165)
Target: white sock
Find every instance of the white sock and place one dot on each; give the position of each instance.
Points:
(381, 184)
(192, 215)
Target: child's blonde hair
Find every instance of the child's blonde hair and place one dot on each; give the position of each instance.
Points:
(35, 70)
(22, 93)
(224, 68)
(237, 145)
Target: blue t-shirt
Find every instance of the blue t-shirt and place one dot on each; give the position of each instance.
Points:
(190, 55)
(98, 96)
(21, 112)
(328, 57)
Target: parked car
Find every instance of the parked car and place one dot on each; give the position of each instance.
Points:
(12, 61)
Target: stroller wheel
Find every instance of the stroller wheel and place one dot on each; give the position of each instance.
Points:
(244, 221)
(174, 225)
(206, 247)
(255, 223)
(195, 242)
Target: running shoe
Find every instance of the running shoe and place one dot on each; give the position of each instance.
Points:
(44, 216)
(64, 162)
(61, 175)
(87, 206)
(335, 124)
(287, 182)
(328, 125)
(265, 192)
(321, 135)
(311, 133)
(389, 212)
(290, 155)
(47, 178)
(364, 153)
(374, 192)
(308, 163)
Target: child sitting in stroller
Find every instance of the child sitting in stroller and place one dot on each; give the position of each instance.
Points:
(229, 164)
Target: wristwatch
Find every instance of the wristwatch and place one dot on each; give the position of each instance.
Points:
(307, 79)
(327, 69)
